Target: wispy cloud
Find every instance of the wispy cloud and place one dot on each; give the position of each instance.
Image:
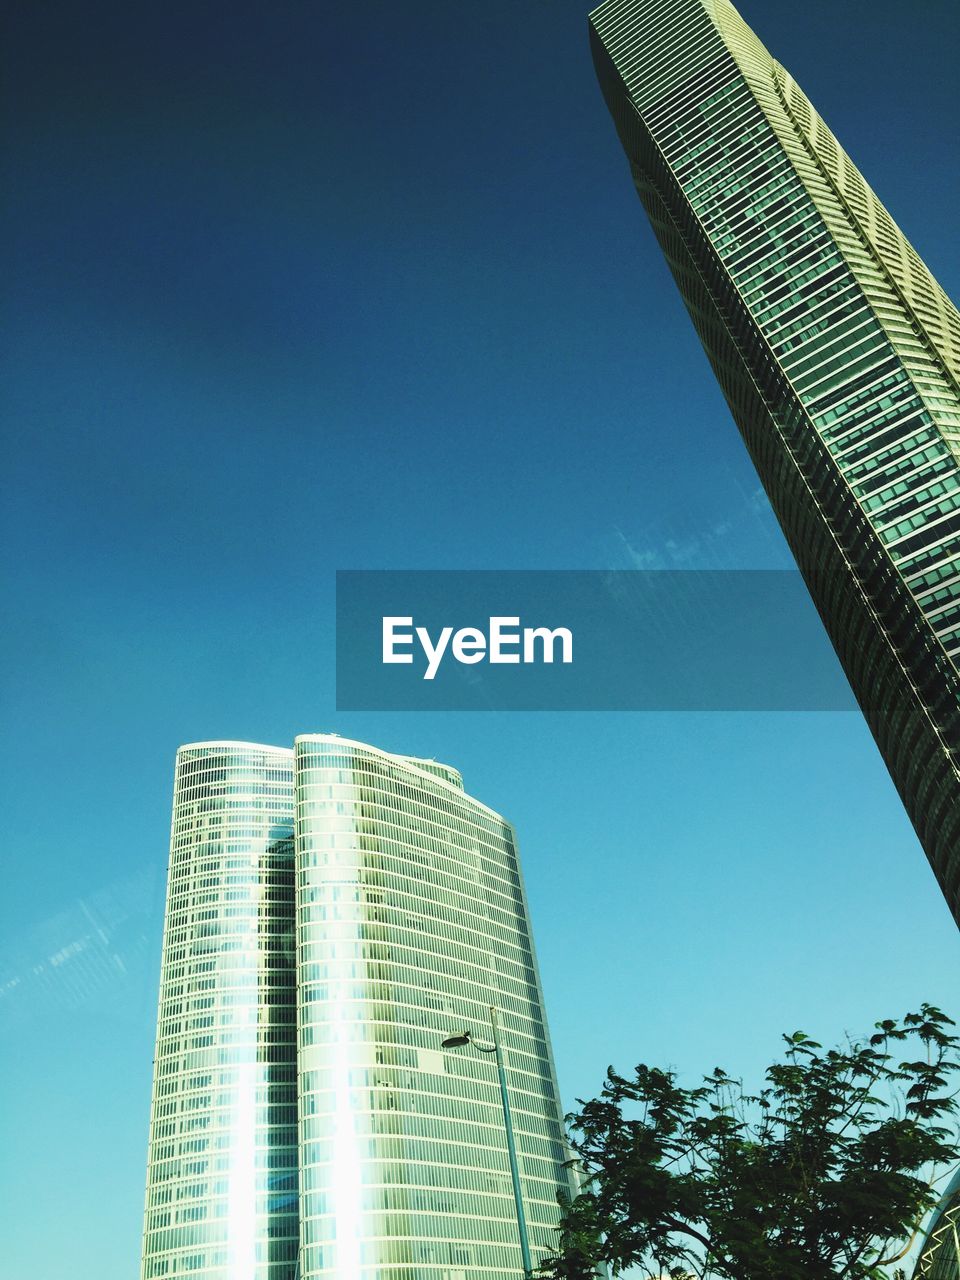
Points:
(717, 545)
(93, 952)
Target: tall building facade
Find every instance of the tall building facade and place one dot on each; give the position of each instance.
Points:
(333, 913)
(837, 352)
(222, 1163)
(940, 1254)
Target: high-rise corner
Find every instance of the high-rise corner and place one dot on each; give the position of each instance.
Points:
(837, 352)
(221, 1196)
(333, 913)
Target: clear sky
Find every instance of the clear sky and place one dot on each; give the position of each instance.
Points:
(295, 287)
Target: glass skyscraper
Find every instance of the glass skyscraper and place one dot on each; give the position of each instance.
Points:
(838, 354)
(333, 913)
(940, 1255)
(222, 1166)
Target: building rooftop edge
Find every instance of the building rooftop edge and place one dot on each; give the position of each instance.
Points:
(406, 762)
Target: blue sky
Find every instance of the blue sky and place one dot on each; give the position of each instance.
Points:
(295, 288)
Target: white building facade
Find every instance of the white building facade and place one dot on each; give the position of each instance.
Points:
(337, 911)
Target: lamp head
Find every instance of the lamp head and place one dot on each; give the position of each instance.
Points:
(456, 1042)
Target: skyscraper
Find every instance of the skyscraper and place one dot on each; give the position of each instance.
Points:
(368, 896)
(838, 354)
(222, 1166)
(940, 1254)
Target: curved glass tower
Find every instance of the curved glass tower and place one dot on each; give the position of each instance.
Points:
(411, 923)
(221, 1198)
(838, 354)
(333, 913)
(940, 1256)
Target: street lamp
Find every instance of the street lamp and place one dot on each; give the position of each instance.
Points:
(458, 1042)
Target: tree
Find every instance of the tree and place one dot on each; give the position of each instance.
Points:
(825, 1173)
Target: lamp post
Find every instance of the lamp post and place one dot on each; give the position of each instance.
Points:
(457, 1042)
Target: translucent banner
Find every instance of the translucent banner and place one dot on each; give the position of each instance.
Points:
(621, 640)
